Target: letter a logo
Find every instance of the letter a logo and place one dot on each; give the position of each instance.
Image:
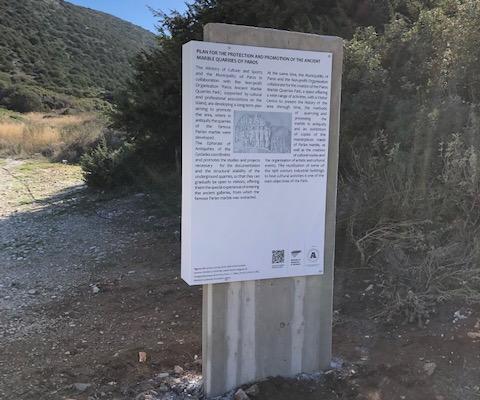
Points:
(313, 256)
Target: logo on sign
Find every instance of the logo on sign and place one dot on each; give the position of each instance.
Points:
(296, 258)
(313, 256)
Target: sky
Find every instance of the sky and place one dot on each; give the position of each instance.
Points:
(135, 11)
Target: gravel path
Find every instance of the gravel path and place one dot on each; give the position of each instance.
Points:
(86, 282)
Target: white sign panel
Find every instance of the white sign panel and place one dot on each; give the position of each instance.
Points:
(255, 147)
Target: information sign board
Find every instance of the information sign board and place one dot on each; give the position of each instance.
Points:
(255, 148)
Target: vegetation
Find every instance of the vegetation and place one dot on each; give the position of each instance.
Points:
(410, 119)
(409, 197)
(149, 110)
(422, 244)
(107, 168)
(52, 53)
(55, 136)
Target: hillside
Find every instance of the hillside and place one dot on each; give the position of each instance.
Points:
(62, 48)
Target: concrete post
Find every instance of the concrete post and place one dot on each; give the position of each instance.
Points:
(278, 327)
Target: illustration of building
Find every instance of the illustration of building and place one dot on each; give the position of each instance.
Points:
(253, 132)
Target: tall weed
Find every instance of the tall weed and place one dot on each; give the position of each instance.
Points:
(423, 245)
(59, 137)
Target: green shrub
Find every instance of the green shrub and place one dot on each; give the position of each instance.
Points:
(20, 99)
(106, 168)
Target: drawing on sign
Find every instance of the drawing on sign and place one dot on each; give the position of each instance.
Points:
(262, 132)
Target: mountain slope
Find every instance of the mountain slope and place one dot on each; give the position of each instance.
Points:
(65, 48)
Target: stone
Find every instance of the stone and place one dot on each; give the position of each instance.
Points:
(163, 388)
(33, 292)
(241, 395)
(429, 368)
(458, 316)
(81, 387)
(142, 357)
(253, 390)
(178, 369)
(369, 288)
(163, 375)
(95, 289)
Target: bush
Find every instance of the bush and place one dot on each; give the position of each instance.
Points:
(20, 99)
(423, 245)
(106, 168)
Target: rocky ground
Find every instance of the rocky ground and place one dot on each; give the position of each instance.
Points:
(92, 307)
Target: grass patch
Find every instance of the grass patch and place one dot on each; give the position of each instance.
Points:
(58, 137)
(33, 166)
(37, 180)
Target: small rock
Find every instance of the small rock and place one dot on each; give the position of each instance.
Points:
(178, 369)
(95, 289)
(370, 287)
(473, 335)
(33, 292)
(458, 316)
(429, 368)
(81, 387)
(163, 375)
(336, 363)
(163, 388)
(253, 391)
(241, 395)
(142, 357)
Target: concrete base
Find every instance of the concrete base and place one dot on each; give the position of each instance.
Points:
(279, 327)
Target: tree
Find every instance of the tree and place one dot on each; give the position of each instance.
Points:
(150, 109)
(20, 99)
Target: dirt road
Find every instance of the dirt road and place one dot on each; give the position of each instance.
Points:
(87, 282)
